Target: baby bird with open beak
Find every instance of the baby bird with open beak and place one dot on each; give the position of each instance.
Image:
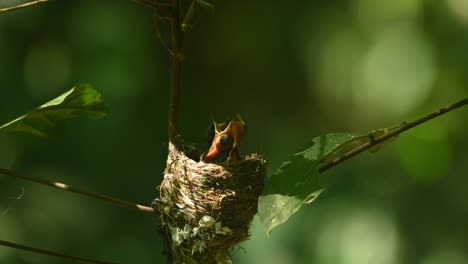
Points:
(225, 140)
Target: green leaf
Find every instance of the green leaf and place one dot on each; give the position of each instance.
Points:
(296, 181)
(81, 100)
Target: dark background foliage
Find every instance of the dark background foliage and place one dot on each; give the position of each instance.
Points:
(294, 70)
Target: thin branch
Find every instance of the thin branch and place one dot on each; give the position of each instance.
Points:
(392, 133)
(51, 253)
(177, 57)
(66, 187)
(176, 68)
(25, 5)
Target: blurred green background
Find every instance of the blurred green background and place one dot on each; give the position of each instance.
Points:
(294, 70)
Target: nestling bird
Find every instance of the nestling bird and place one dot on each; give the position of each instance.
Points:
(225, 140)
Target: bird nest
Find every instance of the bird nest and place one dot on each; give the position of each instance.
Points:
(207, 208)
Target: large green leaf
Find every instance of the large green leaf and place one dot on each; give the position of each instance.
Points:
(81, 100)
(296, 181)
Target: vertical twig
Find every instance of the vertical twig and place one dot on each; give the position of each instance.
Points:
(176, 68)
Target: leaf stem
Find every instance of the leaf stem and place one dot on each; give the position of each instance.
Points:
(177, 58)
(66, 187)
(392, 133)
(20, 6)
(51, 253)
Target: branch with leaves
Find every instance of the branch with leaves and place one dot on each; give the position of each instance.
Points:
(81, 100)
(296, 182)
(377, 137)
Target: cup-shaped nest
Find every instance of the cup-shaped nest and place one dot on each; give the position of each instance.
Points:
(207, 208)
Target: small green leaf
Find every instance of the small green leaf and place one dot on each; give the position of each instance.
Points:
(296, 181)
(81, 100)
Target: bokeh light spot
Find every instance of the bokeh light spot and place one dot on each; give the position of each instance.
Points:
(375, 15)
(359, 236)
(338, 65)
(267, 249)
(398, 72)
(335, 73)
(388, 77)
(460, 9)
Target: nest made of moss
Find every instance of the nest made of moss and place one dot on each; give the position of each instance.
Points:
(207, 208)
